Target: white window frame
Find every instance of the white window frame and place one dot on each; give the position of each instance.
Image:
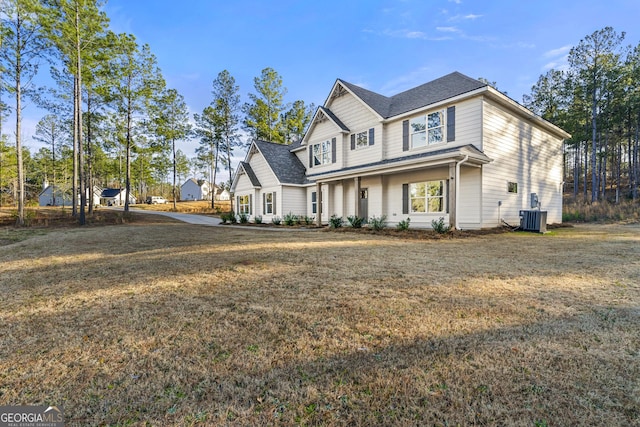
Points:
(362, 139)
(428, 198)
(268, 204)
(512, 185)
(244, 204)
(321, 153)
(420, 125)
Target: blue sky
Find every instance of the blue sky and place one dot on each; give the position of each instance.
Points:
(386, 46)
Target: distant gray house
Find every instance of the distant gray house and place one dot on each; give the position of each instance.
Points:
(453, 148)
(193, 189)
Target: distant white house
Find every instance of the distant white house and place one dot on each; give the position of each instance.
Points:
(195, 190)
(115, 197)
(53, 195)
(223, 195)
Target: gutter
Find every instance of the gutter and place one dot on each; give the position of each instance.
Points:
(466, 157)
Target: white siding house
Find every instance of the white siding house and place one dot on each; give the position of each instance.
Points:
(453, 148)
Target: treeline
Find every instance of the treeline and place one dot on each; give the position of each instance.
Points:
(597, 100)
(111, 119)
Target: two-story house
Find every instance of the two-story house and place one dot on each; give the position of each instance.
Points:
(453, 148)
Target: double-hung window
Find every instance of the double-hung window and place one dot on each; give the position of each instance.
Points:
(362, 139)
(322, 153)
(244, 205)
(427, 197)
(426, 130)
(268, 203)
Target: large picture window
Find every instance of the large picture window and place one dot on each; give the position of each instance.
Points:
(322, 153)
(427, 197)
(427, 130)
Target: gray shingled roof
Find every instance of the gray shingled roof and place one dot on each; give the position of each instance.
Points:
(437, 90)
(333, 117)
(285, 164)
(251, 174)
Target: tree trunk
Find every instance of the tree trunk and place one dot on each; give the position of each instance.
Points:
(74, 184)
(173, 149)
(18, 88)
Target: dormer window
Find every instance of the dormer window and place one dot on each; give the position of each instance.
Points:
(322, 153)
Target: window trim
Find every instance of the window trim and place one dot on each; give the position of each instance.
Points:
(321, 153)
(362, 143)
(269, 204)
(244, 204)
(427, 197)
(427, 130)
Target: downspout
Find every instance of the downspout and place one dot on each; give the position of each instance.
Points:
(466, 157)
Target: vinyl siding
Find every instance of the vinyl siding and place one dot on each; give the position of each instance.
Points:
(291, 199)
(468, 125)
(392, 195)
(470, 198)
(244, 185)
(358, 118)
(522, 153)
(263, 171)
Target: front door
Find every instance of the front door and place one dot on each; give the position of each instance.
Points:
(364, 204)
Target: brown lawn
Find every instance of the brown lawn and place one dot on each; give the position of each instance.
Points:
(173, 324)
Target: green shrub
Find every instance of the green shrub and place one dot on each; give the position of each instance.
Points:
(378, 223)
(257, 219)
(335, 221)
(440, 227)
(243, 218)
(355, 221)
(290, 219)
(404, 224)
(308, 220)
(227, 216)
(276, 220)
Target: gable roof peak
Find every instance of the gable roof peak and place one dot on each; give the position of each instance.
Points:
(440, 89)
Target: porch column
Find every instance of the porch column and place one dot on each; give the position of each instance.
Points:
(318, 204)
(357, 195)
(453, 186)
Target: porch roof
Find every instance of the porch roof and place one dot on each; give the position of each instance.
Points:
(406, 163)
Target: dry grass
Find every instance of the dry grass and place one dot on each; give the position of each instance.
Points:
(200, 206)
(172, 324)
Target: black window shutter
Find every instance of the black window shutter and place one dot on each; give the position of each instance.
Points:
(405, 199)
(353, 141)
(311, 156)
(451, 124)
(264, 203)
(250, 204)
(372, 132)
(273, 203)
(405, 135)
(333, 150)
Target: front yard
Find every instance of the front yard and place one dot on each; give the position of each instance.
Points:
(173, 324)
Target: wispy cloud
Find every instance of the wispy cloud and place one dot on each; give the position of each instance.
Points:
(564, 50)
(456, 1)
(557, 59)
(448, 29)
(407, 81)
(408, 34)
(467, 17)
